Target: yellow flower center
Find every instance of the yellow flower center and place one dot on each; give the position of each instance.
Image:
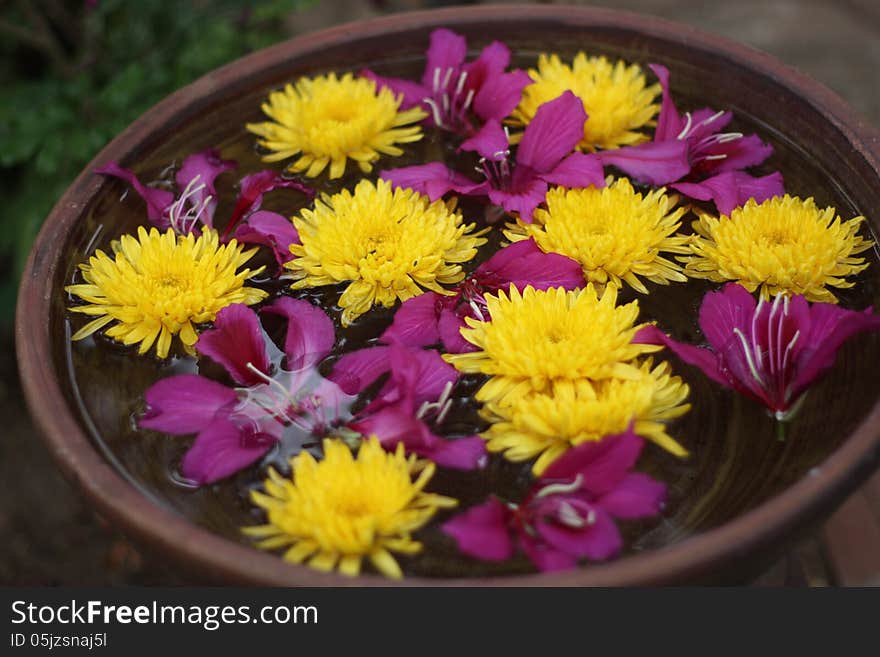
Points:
(338, 510)
(785, 245)
(159, 285)
(391, 245)
(616, 98)
(539, 340)
(329, 120)
(614, 232)
(547, 426)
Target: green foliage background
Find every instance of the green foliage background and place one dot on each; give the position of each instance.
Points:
(74, 74)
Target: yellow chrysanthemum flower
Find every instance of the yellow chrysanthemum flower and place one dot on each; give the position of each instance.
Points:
(329, 120)
(547, 426)
(614, 232)
(540, 340)
(159, 285)
(338, 510)
(616, 97)
(785, 245)
(389, 243)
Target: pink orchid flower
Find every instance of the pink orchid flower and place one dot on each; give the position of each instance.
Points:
(454, 92)
(544, 157)
(692, 155)
(769, 351)
(569, 513)
(429, 318)
(237, 426)
(195, 202)
(416, 396)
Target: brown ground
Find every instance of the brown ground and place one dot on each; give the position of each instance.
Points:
(49, 536)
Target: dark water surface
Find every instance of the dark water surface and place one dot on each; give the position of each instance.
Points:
(736, 460)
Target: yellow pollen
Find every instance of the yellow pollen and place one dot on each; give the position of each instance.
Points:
(547, 426)
(615, 233)
(539, 340)
(785, 245)
(160, 285)
(334, 512)
(329, 120)
(391, 245)
(616, 98)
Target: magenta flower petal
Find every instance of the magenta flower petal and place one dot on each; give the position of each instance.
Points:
(500, 94)
(577, 170)
(157, 200)
(546, 558)
(185, 403)
(235, 342)
(356, 370)
(449, 327)
(722, 313)
(481, 531)
(529, 194)
(446, 52)
(197, 174)
(269, 229)
(602, 465)
(310, 333)
(433, 179)
(654, 162)
(413, 93)
(415, 322)
(251, 190)
(222, 449)
(523, 263)
(747, 151)
(637, 496)
(490, 141)
(553, 133)
(467, 453)
(704, 359)
(669, 122)
(491, 61)
(733, 189)
(597, 542)
(420, 372)
(830, 326)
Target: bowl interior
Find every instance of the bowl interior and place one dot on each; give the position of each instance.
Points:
(737, 461)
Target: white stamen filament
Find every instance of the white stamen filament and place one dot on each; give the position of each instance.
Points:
(748, 353)
(717, 115)
(441, 405)
(687, 126)
(569, 517)
(469, 99)
(435, 112)
(178, 213)
(436, 86)
(552, 489)
(477, 311)
(460, 86)
(448, 76)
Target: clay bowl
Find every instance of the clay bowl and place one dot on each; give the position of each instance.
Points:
(740, 503)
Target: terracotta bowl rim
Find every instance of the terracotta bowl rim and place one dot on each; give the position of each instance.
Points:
(210, 556)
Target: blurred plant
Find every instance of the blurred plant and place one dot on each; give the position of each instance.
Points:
(75, 73)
